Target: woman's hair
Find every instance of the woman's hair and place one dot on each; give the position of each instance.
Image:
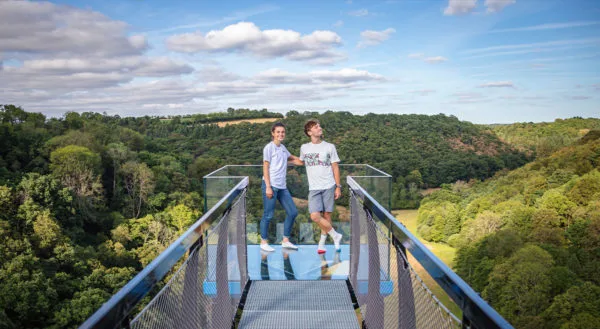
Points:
(309, 124)
(277, 124)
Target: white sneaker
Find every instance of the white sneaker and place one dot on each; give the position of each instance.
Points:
(266, 247)
(288, 245)
(336, 241)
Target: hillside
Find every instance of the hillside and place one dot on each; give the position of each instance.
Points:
(419, 151)
(528, 240)
(546, 137)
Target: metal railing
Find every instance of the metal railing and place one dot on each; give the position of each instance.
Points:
(387, 288)
(167, 309)
(383, 241)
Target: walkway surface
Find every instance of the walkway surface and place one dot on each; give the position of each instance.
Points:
(299, 305)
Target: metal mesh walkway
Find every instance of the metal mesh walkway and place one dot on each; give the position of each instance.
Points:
(299, 305)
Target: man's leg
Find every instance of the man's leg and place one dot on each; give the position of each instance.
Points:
(315, 207)
(329, 204)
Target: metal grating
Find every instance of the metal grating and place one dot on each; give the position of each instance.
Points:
(199, 293)
(299, 305)
(409, 304)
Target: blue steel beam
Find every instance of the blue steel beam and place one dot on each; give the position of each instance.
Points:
(115, 311)
(474, 308)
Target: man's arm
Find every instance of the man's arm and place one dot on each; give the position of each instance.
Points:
(295, 160)
(336, 176)
(269, 190)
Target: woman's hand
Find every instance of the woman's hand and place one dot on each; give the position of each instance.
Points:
(269, 192)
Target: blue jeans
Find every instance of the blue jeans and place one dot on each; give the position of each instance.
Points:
(285, 198)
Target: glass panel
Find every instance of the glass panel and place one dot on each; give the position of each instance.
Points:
(304, 264)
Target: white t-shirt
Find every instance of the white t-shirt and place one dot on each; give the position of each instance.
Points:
(277, 157)
(317, 160)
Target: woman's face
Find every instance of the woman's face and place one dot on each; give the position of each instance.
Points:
(278, 134)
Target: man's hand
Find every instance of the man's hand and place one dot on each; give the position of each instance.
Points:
(269, 192)
(338, 193)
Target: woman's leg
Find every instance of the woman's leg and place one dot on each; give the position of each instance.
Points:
(268, 210)
(285, 198)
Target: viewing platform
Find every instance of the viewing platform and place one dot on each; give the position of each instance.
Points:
(216, 276)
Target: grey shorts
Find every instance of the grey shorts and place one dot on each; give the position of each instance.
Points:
(321, 200)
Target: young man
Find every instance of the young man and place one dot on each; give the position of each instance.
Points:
(321, 161)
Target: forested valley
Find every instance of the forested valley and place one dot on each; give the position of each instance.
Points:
(87, 200)
(529, 240)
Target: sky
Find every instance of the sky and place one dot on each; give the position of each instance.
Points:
(483, 61)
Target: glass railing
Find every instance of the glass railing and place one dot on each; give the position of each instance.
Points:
(304, 230)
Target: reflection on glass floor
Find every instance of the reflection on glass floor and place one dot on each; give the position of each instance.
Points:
(302, 264)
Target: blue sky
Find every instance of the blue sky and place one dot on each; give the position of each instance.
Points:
(484, 61)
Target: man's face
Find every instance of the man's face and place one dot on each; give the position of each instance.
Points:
(316, 130)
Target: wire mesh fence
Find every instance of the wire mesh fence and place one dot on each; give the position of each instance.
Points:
(389, 291)
(205, 291)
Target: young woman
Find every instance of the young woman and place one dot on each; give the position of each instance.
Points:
(275, 161)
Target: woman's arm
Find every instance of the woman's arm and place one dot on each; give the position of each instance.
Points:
(269, 190)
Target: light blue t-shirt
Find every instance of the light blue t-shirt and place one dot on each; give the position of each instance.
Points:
(277, 156)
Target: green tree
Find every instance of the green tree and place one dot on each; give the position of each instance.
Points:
(139, 184)
(520, 286)
(78, 169)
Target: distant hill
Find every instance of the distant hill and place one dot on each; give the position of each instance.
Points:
(529, 239)
(419, 151)
(546, 137)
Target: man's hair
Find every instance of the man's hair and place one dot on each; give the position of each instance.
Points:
(309, 124)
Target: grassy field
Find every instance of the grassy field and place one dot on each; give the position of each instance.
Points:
(441, 250)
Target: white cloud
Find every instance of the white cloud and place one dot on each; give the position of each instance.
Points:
(339, 23)
(429, 59)
(558, 43)
(497, 84)
(435, 59)
(540, 49)
(359, 13)
(464, 7)
(578, 97)
(278, 76)
(245, 37)
(372, 38)
(460, 7)
(343, 76)
(422, 92)
(553, 26)
(468, 98)
(237, 16)
(416, 55)
(62, 75)
(215, 73)
(42, 28)
(494, 6)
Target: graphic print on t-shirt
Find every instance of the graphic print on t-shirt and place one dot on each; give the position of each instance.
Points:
(313, 159)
